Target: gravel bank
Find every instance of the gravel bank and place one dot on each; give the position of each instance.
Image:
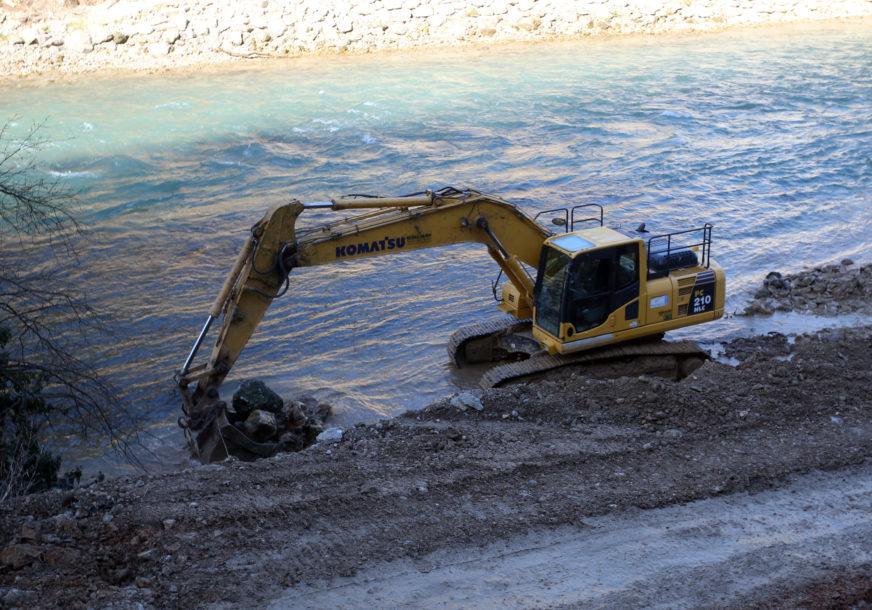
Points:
(50, 37)
(544, 469)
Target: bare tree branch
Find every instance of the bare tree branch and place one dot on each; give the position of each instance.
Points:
(45, 319)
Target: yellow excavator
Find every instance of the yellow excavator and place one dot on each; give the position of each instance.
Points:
(592, 296)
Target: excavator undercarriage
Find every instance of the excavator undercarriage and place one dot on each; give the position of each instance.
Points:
(510, 342)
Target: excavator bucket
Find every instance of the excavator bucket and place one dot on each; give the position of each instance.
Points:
(219, 439)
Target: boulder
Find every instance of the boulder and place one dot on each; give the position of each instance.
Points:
(294, 414)
(310, 432)
(29, 36)
(79, 41)
(260, 426)
(253, 395)
(292, 441)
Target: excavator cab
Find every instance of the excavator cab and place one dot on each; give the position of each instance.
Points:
(599, 285)
(574, 294)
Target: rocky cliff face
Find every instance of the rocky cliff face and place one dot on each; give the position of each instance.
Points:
(71, 36)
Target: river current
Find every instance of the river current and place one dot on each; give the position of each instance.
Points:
(766, 134)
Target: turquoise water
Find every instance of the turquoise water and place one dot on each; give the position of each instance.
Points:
(766, 134)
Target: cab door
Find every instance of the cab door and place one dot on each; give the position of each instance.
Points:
(601, 282)
(626, 280)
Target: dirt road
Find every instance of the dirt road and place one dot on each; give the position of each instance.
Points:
(727, 551)
(739, 486)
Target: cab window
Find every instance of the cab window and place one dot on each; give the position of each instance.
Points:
(548, 293)
(600, 282)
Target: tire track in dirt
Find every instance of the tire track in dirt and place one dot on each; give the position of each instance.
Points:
(712, 552)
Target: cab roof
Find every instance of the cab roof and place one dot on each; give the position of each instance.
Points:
(588, 239)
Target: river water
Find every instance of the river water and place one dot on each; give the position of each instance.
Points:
(767, 134)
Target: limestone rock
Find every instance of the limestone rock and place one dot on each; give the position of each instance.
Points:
(159, 49)
(29, 36)
(79, 41)
(465, 400)
(330, 435)
(101, 35)
(208, 32)
(199, 28)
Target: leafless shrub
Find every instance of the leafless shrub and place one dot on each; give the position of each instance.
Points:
(46, 322)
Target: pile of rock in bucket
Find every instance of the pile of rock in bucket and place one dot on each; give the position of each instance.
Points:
(257, 423)
(262, 415)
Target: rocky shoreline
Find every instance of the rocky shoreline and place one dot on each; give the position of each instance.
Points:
(828, 290)
(57, 37)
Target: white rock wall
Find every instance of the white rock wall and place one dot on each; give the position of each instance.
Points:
(160, 34)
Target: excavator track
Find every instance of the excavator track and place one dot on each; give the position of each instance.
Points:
(676, 360)
(485, 341)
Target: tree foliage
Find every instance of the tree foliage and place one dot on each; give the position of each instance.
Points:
(45, 323)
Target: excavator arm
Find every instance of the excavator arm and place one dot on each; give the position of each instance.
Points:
(386, 226)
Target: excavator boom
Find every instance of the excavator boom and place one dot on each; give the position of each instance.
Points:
(386, 226)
